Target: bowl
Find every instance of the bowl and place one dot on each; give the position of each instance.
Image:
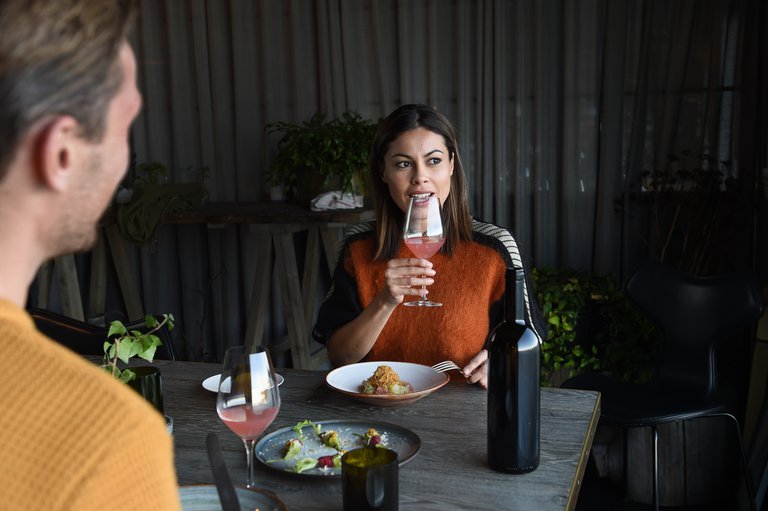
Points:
(423, 379)
(204, 497)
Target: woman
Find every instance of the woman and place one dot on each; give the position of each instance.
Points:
(414, 152)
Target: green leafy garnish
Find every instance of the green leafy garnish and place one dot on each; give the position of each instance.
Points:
(299, 426)
(331, 439)
(305, 464)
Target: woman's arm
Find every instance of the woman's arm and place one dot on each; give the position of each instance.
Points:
(352, 341)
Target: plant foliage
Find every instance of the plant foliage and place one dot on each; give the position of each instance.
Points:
(592, 326)
(122, 344)
(337, 149)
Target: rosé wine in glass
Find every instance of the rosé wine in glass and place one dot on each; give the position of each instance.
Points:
(423, 235)
(248, 399)
(426, 247)
(247, 423)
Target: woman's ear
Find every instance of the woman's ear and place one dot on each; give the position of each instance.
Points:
(56, 152)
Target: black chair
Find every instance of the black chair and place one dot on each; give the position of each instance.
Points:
(87, 339)
(699, 318)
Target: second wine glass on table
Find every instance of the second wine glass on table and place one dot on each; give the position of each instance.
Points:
(423, 235)
(248, 399)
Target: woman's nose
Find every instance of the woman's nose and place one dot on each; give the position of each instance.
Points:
(419, 176)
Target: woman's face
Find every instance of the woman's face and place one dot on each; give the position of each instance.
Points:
(417, 162)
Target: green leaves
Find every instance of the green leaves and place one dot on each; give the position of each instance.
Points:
(116, 328)
(124, 345)
(592, 326)
(336, 149)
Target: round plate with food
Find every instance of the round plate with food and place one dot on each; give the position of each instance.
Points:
(314, 448)
(386, 383)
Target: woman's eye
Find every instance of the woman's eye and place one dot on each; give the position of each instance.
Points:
(403, 164)
(434, 161)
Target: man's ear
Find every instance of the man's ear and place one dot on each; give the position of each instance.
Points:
(57, 150)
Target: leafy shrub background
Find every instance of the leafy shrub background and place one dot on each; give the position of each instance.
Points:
(592, 326)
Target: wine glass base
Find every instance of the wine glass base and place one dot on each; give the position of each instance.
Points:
(422, 303)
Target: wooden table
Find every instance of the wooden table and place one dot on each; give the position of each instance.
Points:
(449, 472)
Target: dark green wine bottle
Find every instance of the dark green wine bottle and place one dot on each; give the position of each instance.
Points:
(514, 366)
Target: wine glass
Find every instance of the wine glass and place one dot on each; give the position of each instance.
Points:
(423, 234)
(248, 399)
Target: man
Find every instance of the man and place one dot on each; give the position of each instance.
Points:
(72, 436)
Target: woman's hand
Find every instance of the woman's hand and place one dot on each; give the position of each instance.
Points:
(476, 370)
(351, 342)
(405, 277)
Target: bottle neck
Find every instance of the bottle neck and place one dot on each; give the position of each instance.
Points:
(520, 297)
(514, 301)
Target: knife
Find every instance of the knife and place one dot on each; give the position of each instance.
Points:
(227, 494)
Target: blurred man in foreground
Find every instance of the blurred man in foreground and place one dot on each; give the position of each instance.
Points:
(73, 437)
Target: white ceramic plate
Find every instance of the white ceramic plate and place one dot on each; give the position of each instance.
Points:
(204, 497)
(212, 383)
(424, 380)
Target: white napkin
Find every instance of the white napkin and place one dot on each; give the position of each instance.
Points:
(336, 200)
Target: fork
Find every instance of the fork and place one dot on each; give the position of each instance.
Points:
(447, 365)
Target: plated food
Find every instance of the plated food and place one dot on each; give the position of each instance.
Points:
(314, 448)
(385, 380)
(421, 380)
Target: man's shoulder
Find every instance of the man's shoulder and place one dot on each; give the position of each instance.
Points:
(69, 377)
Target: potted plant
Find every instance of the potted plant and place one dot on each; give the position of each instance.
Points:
(326, 154)
(141, 211)
(123, 344)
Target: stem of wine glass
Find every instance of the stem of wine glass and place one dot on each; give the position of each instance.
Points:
(423, 297)
(249, 447)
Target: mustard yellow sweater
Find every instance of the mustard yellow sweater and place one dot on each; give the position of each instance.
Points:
(73, 438)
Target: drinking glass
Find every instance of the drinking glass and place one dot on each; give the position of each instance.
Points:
(248, 399)
(369, 479)
(423, 234)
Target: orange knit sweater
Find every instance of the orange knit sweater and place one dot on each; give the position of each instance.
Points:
(466, 284)
(469, 284)
(73, 437)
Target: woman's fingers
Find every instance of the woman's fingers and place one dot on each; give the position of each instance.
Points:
(407, 277)
(477, 369)
(411, 265)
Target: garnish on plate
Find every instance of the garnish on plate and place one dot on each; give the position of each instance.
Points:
(330, 461)
(305, 464)
(385, 381)
(373, 438)
(300, 426)
(331, 439)
(305, 456)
